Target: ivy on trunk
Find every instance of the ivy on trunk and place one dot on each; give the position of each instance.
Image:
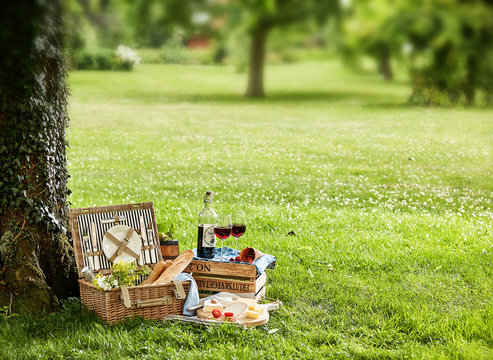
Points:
(36, 259)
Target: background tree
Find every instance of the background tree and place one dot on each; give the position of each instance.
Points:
(36, 260)
(105, 17)
(257, 18)
(96, 24)
(373, 28)
(154, 21)
(260, 16)
(449, 44)
(452, 43)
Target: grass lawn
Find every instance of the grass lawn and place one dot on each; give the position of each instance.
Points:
(392, 206)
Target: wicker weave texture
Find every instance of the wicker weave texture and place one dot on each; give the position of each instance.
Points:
(108, 305)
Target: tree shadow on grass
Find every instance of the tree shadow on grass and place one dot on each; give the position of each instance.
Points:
(362, 97)
(278, 97)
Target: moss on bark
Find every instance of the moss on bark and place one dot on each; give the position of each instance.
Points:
(36, 260)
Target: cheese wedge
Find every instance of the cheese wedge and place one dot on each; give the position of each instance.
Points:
(209, 306)
(252, 314)
(256, 308)
(249, 302)
(225, 301)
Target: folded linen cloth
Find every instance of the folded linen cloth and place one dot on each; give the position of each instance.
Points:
(193, 294)
(261, 263)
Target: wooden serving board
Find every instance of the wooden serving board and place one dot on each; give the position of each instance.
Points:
(247, 321)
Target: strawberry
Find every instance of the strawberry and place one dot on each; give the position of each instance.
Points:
(216, 313)
(228, 314)
(237, 258)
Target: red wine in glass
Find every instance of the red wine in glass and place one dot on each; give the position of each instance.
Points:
(222, 232)
(222, 229)
(238, 230)
(239, 225)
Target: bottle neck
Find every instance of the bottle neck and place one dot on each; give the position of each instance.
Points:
(207, 215)
(208, 197)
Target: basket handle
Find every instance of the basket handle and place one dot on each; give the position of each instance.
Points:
(136, 304)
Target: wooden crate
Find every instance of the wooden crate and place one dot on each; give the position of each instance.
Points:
(212, 276)
(147, 301)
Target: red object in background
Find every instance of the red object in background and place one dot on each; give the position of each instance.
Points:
(198, 43)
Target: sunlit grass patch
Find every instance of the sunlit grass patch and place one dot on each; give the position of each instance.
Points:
(392, 206)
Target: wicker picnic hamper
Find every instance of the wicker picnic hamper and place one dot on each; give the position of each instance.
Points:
(153, 301)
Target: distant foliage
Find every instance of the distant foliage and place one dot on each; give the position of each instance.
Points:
(123, 59)
(447, 45)
(174, 51)
(452, 52)
(237, 52)
(94, 59)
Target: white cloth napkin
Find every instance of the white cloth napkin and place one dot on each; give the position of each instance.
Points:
(193, 294)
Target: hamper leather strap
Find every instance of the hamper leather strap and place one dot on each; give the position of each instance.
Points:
(180, 291)
(129, 304)
(126, 297)
(122, 245)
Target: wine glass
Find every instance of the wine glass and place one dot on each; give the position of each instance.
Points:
(222, 229)
(239, 226)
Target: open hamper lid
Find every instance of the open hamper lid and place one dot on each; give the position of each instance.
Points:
(116, 232)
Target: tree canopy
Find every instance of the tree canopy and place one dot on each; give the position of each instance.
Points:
(447, 44)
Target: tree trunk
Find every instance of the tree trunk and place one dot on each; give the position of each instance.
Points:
(36, 260)
(470, 86)
(385, 65)
(257, 59)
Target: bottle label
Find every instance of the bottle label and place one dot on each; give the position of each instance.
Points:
(208, 237)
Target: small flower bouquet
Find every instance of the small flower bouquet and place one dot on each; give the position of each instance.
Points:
(124, 273)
